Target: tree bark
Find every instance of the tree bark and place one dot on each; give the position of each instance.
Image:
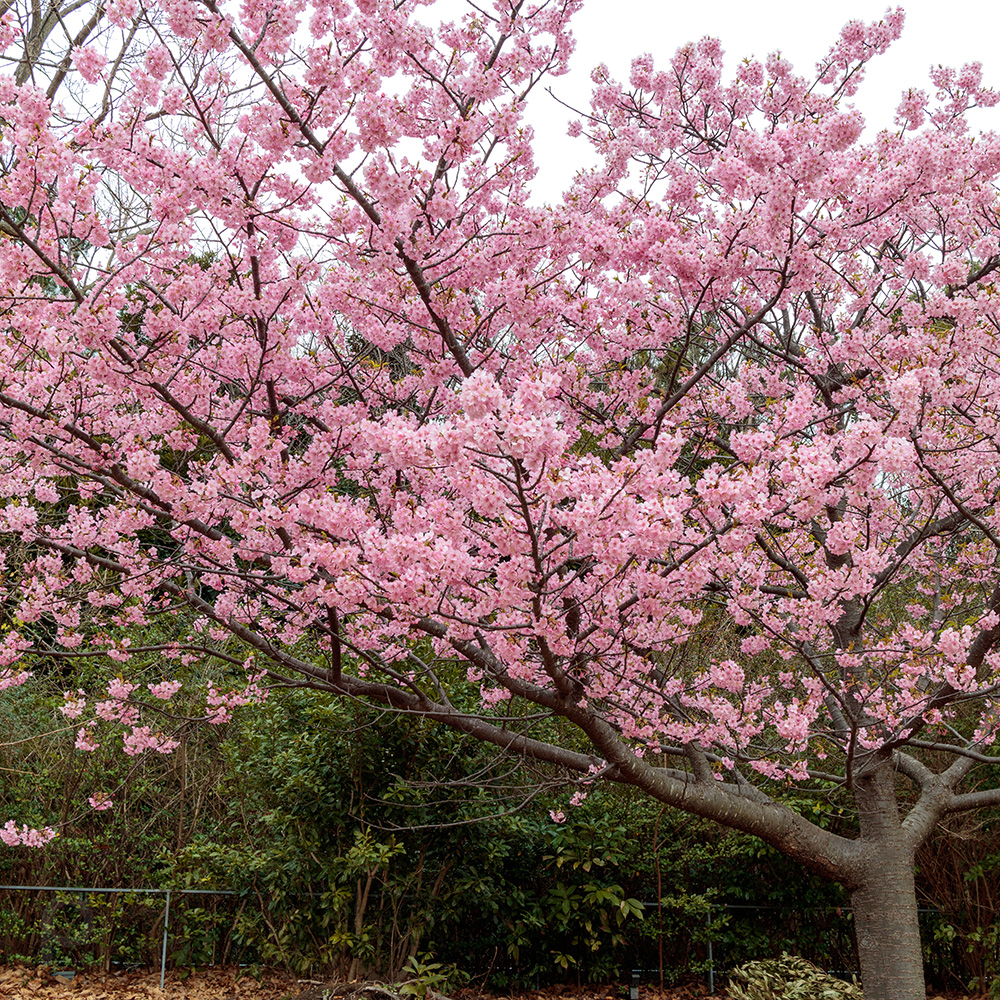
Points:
(885, 920)
(884, 894)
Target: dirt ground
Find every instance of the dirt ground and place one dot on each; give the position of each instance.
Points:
(23, 983)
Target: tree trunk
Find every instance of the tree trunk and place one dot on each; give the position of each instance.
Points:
(884, 896)
(885, 920)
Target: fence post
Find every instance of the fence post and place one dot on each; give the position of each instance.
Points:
(711, 962)
(163, 955)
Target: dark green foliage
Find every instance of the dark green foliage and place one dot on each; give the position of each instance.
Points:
(957, 870)
(159, 801)
(361, 842)
(354, 859)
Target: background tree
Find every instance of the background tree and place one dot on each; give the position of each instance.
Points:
(701, 459)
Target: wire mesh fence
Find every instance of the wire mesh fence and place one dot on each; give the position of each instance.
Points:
(74, 927)
(68, 927)
(684, 942)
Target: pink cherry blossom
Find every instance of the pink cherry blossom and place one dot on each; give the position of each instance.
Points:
(85, 741)
(89, 62)
(12, 835)
(164, 690)
(700, 458)
(74, 704)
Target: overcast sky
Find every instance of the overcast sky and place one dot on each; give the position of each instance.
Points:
(614, 31)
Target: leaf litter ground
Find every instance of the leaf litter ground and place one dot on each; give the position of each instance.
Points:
(18, 982)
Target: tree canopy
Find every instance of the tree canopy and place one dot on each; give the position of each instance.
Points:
(701, 458)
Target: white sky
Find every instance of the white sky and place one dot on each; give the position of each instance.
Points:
(614, 31)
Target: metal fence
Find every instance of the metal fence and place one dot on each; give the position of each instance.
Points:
(681, 940)
(83, 892)
(710, 940)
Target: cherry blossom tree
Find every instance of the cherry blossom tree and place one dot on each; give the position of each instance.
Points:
(702, 460)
